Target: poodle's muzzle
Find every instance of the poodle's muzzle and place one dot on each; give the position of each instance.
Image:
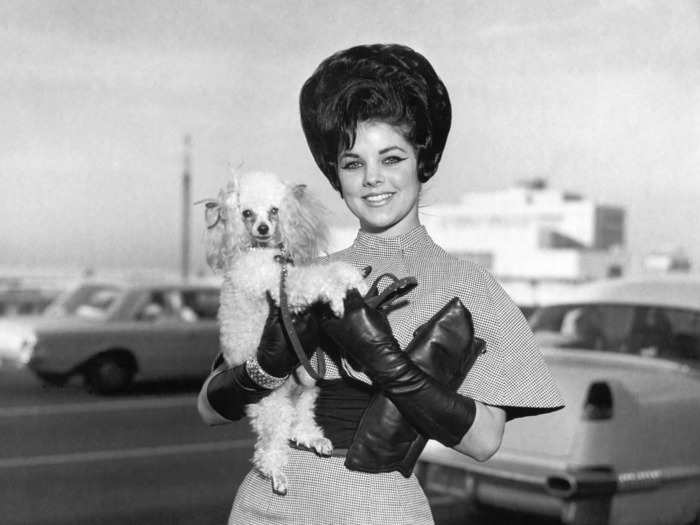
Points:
(263, 235)
(262, 227)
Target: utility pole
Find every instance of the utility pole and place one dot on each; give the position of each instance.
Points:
(186, 208)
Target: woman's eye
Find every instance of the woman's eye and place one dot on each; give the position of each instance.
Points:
(393, 159)
(351, 165)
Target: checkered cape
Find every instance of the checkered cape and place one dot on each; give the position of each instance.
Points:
(510, 374)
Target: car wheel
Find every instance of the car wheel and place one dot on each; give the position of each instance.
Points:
(108, 375)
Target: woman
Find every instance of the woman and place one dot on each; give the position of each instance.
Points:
(376, 119)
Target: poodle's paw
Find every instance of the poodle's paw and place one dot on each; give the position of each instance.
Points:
(322, 446)
(279, 483)
(337, 306)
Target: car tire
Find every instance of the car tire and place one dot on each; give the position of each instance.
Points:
(108, 375)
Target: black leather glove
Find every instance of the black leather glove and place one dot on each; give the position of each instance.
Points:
(230, 390)
(275, 353)
(364, 337)
(445, 348)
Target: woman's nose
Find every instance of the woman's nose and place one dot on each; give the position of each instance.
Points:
(373, 175)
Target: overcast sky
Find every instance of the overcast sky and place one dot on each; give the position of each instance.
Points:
(599, 97)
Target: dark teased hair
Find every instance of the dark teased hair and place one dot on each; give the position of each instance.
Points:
(382, 82)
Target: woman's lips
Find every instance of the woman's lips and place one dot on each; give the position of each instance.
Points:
(378, 199)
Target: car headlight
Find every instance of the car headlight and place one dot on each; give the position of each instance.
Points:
(26, 348)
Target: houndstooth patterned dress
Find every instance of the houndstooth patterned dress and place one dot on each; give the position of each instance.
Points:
(510, 374)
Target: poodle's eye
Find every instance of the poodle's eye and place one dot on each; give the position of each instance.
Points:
(274, 211)
(247, 214)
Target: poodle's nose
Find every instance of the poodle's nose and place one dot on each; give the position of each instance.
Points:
(263, 229)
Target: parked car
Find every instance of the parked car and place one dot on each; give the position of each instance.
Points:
(655, 317)
(112, 333)
(625, 449)
(25, 301)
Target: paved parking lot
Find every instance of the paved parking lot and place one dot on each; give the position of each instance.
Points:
(144, 457)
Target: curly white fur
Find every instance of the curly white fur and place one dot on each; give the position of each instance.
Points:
(253, 205)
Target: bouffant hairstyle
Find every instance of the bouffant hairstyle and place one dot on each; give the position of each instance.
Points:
(382, 82)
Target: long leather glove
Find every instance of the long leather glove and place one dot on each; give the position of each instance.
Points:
(231, 390)
(275, 352)
(363, 335)
(445, 348)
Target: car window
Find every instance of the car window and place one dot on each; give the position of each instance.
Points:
(636, 329)
(95, 302)
(617, 322)
(188, 305)
(594, 326)
(668, 333)
(92, 301)
(165, 305)
(548, 318)
(204, 303)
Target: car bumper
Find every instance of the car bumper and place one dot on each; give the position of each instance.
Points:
(554, 490)
(485, 484)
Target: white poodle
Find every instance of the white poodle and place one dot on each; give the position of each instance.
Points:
(255, 223)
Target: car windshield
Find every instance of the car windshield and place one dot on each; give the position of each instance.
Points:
(648, 330)
(91, 301)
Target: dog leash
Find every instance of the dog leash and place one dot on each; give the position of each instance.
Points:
(386, 300)
(292, 333)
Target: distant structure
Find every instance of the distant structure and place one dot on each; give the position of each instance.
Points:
(673, 261)
(532, 232)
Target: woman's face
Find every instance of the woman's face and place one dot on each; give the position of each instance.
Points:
(379, 179)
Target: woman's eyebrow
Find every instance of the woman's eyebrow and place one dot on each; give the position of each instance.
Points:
(386, 150)
(381, 151)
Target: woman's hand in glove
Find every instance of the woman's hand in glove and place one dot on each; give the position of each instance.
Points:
(363, 335)
(227, 391)
(275, 354)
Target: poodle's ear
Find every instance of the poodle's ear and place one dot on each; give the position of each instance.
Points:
(225, 235)
(302, 225)
(214, 240)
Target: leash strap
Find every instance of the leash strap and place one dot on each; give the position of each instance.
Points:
(397, 288)
(292, 333)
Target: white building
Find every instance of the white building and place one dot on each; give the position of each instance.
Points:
(532, 232)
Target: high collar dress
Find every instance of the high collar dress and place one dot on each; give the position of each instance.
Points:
(510, 374)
